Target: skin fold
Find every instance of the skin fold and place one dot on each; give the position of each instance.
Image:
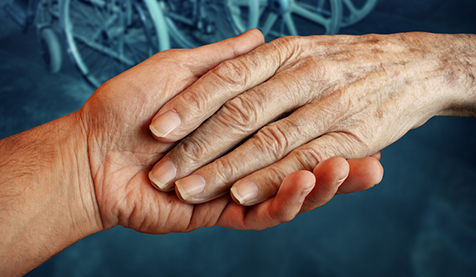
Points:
(88, 171)
(301, 100)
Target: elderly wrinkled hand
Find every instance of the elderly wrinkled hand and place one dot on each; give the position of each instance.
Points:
(87, 171)
(302, 100)
(122, 151)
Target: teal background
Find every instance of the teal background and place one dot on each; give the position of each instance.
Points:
(420, 221)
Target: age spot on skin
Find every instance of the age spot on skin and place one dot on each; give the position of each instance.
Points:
(379, 114)
(376, 51)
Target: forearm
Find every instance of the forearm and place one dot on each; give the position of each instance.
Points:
(46, 196)
(459, 71)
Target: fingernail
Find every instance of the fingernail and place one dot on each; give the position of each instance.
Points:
(165, 124)
(341, 181)
(245, 192)
(304, 194)
(190, 186)
(163, 174)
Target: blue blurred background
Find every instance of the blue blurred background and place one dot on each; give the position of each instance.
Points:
(420, 221)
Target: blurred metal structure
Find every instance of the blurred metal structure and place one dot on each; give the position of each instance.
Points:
(197, 22)
(310, 17)
(102, 37)
(42, 15)
(355, 10)
(105, 37)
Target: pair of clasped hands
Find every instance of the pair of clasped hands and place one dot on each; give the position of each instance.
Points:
(246, 135)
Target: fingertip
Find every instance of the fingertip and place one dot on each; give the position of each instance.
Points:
(378, 169)
(365, 173)
(257, 34)
(160, 138)
(165, 125)
(154, 182)
(330, 175)
(245, 193)
(302, 179)
(294, 186)
(297, 185)
(332, 169)
(159, 185)
(244, 42)
(190, 189)
(371, 169)
(234, 46)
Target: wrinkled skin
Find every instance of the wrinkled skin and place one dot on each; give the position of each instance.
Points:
(88, 171)
(306, 99)
(122, 151)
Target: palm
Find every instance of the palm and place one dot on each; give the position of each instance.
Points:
(127, 197)
(126, 105)
(122, 150)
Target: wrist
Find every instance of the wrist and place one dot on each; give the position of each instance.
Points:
(85, 214)
(48, 200)
(459, 72)
(70, 177)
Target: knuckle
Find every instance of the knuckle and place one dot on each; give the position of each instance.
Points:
(193, 150)
(232, 72)
(272, 140)
(279, 138)
(354, 142)
(290, 46)
(195, 100)
(275, 176)
(240, 113)
(308, 157)
(226, 170)
(286, 43)
(359, 140)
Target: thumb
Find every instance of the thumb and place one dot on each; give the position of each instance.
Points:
(211, 55)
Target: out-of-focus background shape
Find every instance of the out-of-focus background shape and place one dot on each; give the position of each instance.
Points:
(420, 221)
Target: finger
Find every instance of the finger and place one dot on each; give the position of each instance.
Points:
(241, 117)
(237, 120)
(204, 59)
(282, 208)
(269, 145)
(193, 106)
(306, 157)
(364, 174)
(330, 175)
(377, 155)
(209, 56)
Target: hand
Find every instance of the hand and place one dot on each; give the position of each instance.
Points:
(332, 176)
(122, 151)
(87, 171)
(325, 96)
(121, 148)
